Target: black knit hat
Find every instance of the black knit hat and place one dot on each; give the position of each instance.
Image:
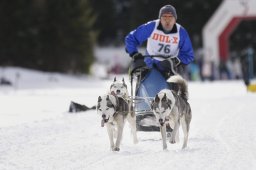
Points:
(168, 9)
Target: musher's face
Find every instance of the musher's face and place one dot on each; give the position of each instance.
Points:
(167, 20)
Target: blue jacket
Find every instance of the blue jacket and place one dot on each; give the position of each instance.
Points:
(136, 37)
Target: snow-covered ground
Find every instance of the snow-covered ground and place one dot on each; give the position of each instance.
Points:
(37, 132)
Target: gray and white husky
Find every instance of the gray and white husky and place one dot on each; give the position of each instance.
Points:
(119, 88)
(170, 107)
(115, 110)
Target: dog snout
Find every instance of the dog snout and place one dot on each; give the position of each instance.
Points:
(161, 121)
(118, 91)
(104, 118)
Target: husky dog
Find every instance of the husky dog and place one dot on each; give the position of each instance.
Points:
(114, 111)
(171, 107)
(119, 88)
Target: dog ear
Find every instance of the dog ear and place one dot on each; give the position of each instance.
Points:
(155, 102)
(115, 79)
(157, 99)
(124, 83)
(99, 99)
(164, 99)
(152, 104)
(112, 102)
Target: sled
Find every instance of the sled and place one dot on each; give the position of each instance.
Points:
(145, 84)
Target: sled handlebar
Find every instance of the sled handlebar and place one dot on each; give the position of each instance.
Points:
(139, 64)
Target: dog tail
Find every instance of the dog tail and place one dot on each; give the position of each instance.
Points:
(182, 84)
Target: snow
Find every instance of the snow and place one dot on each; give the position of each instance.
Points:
(37, 132)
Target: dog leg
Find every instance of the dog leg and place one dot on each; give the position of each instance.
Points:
(132, 122)
(114, 132)
(185, 132)
(174, 132)
(177, 137)
(185, 127)
(120, 128)
(110, 135)
(163, 133)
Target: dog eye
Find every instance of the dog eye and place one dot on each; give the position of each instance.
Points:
(100, 109)
(107, 108)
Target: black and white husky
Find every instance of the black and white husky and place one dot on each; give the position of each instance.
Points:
(114, 109)
(170, 107)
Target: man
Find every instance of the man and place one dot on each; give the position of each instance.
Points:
(168, 44)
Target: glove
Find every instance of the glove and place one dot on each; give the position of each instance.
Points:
(169, 65)
(164, 65)
(137, 56)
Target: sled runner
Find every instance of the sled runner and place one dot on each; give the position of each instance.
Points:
(145, 84)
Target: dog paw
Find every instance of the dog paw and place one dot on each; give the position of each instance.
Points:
(169, 135)
(172, 141)
(135, 141)
(116, 149)
(184, 146)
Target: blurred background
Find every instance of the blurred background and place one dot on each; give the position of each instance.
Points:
(87, 36)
